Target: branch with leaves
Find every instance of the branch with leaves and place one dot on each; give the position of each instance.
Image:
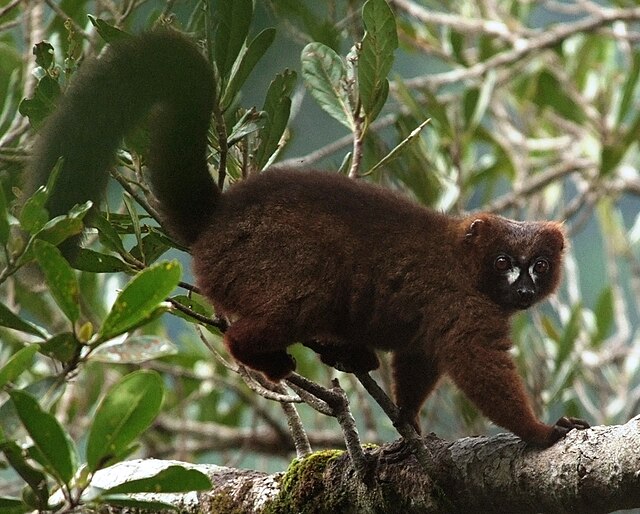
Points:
(323, 482)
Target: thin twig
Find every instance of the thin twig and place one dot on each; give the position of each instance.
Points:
(223, 144)
(212, 322)
(407, 432)
(460, 23)
(8, 7)
(310, 399)
(249, 377)
(551, 36)
(337, 400)
(539, 181)
(358, 137)
(399, 147)
(220, 382)
(258, 383)
(65, 17)
(312, 158)
(140, 199)
(296, 428)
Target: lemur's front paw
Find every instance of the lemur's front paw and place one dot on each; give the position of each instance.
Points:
(563, 426)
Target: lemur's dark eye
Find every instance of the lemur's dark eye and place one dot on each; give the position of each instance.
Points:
(541, 266)
(502, 263)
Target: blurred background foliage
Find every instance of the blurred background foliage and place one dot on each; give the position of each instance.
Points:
(533, 110)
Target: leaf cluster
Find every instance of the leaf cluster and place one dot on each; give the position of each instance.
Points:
(66, 335)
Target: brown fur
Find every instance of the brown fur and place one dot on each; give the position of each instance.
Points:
(348, 268)
(344, 267)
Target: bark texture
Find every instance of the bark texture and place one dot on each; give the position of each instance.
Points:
(591, 471)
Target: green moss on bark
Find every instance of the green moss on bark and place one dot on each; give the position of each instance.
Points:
(223, 502)
(303, 487)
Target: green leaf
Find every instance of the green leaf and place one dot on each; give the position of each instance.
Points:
(629, 87)
(151, 247)
(33, 215)
(10, 505)
(277, 105)
(18, 363)
(43, 53)
(62, 227)
(106, 233)
(248, 61)
(397, 149)
(198, 307)
(193, 304)
(57, 230)
(631, 131)
(50, 386)
(551, 93)
(316, 23)
(38, 108)
(139, 299)
(381, 99)
(138, 505)
(108, 32)
(62, 347)
(4, 220)
(281, 86)
(86, 259)
(135, 222)
(134, 350)
(550, 329)
(501, 165)
(343, 169)
(234, 19)
(569, 336)
(437, 110)
(35, 478)
(458, 45)
(126, 411)
(47, 434)
(10, 320)
(325, 75)
(60, 278)
(376, 55)
(476, 101)
(604, 313)
(174, 479)
(249, 123)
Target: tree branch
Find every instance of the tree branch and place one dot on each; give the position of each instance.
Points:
(265, 440)
(337, 401)
(461, 23)
(590, 471)
(549, 37)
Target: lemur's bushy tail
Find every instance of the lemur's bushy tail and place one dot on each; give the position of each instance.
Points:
(107, 98)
